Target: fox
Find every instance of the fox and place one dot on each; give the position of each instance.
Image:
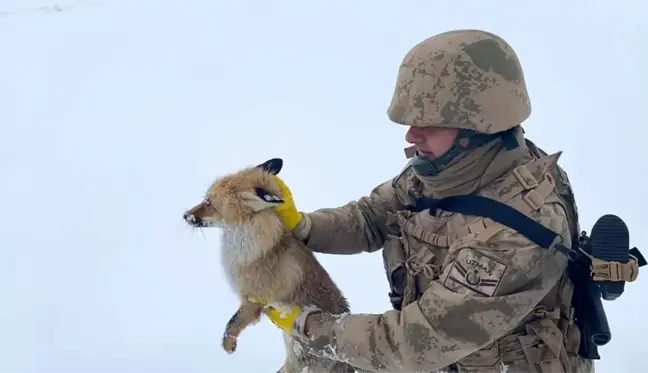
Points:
(264, 261)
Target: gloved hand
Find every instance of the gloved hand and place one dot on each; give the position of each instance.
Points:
(284, 318)
(287, 210)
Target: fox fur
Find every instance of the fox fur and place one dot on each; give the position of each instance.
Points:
(264, 261)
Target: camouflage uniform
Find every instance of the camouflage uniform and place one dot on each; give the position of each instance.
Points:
(478, 296)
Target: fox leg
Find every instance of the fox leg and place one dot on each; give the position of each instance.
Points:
(247, 313)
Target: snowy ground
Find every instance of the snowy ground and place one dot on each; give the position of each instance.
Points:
(116, 115)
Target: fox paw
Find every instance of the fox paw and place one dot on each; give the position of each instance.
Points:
(229, 343)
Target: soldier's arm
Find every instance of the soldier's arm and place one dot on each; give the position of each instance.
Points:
(451, 320)
(358, 226)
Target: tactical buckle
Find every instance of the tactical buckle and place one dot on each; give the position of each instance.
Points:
(602, 270)
(534, 199)
(543, 313)
(525, 177)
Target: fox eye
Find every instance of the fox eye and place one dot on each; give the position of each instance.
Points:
(207, 202)
(267, 196)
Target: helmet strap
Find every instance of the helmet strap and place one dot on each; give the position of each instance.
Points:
(465, 141)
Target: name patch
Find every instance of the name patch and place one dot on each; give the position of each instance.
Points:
(475, 272)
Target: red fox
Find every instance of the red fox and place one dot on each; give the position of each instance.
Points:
(263, 260)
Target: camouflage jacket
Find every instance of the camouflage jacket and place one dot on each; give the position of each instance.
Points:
(482, 295)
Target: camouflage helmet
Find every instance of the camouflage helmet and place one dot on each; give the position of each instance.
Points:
(469, 79)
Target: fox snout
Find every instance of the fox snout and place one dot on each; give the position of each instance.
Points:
(192, 219)
(196, 216)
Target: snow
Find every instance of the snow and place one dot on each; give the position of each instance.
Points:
(117, 115)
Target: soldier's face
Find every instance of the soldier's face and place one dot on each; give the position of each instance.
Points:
(431, 141)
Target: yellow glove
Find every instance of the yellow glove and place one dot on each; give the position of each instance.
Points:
(287, 210)
(284, 318)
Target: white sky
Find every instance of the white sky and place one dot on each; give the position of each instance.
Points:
(117, 114)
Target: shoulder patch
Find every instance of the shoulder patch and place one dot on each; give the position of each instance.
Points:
(474, 272)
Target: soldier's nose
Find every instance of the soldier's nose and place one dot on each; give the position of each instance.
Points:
(412, 135)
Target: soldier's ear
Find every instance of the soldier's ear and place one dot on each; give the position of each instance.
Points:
(261, 199)
(273, 165)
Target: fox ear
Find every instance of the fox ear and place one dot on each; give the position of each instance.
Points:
(273, 165)
(261, 199)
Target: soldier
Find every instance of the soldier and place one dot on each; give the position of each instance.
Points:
(469, 295)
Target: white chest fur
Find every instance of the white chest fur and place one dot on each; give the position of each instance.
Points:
(238, 247)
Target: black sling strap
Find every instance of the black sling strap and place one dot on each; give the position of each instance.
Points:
(510, 217)
(501, 213)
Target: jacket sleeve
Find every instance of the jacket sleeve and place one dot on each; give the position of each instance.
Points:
(456, 316)
(358, 226)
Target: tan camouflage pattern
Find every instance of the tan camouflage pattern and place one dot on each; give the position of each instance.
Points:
(335, 230)
(483, 307)
(461, 79)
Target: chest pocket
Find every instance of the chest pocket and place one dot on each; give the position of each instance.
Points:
(412, 249)
(424, 248)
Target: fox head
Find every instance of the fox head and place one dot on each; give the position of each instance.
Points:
(239, 197)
